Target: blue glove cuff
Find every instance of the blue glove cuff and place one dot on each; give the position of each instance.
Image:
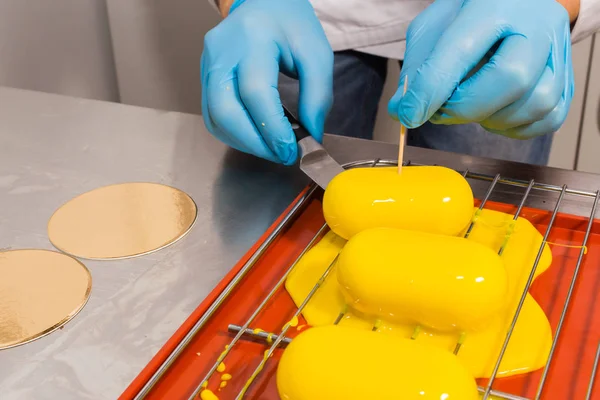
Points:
(235, 5)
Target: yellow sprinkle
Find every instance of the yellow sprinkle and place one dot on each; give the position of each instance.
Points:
(294, 321)
(208, 395)
(222, 384)
(221, 367)
(226, 377)
(257, 330)
(205, 384)
(270, 338)
(300, 327)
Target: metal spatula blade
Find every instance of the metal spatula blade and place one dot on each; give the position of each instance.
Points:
(315, 162)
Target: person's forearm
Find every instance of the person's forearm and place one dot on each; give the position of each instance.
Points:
(225, 5)
(572, 7)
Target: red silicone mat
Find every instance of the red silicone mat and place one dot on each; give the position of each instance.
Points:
(569, 374)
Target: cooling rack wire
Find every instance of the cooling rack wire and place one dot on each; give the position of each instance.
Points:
(275, 340)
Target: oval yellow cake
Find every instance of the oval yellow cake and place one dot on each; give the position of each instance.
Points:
(443, 282)
(334, 362)
(428, 199)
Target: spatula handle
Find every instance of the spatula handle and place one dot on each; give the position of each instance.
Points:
(298, 129)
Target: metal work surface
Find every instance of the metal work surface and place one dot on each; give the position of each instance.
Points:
(53, 148)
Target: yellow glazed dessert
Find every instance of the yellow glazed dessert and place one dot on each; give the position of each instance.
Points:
(429, 199)
(442, 282)
(335, 362)
(531, 340)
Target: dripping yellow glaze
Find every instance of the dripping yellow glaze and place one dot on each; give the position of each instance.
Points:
(429, 199)
(257, 371)
(226, 377)
(294, 321)
(328, 301)
(221, 367)
(531, 340)
(442, 282)
(208, 395)
(351, 364)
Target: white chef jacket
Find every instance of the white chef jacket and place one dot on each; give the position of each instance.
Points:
(379, 26)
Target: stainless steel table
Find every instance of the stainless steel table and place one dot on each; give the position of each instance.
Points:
(53, 148)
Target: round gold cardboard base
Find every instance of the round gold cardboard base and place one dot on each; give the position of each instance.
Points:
(121, 221)
(40, 290)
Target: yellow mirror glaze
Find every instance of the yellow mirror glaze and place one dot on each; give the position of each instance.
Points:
(328, 300)
(531, 340)
(428, 199)
(443, 282)
(335, 362)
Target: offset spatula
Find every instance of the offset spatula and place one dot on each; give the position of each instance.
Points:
(314, 159)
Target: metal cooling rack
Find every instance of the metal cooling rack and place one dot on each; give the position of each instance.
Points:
(274, 340)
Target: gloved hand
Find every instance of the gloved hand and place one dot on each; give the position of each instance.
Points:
(240, 65)
(505, 64)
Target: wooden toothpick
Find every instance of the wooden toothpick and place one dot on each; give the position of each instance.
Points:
(402, 134)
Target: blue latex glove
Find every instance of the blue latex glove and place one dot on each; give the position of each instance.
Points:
(240, 65)
(505, 64)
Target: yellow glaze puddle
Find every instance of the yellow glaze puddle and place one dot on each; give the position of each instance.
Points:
(531, 339)
(226, 377)
(221, 367)
(208, 395)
